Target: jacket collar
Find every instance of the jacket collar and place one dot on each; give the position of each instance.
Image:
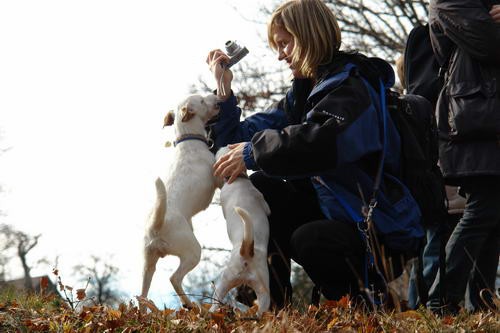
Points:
(371, 68)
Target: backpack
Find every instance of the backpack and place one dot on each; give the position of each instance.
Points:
(421, 68)
(413, 115)
(415, 121)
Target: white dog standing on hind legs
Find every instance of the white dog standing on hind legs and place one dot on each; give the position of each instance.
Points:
(246, 212)
(188, 190)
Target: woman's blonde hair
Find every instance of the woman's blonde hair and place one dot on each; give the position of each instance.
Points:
(400, 70)
(315, 31)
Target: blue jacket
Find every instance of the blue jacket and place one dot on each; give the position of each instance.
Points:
(331, 130)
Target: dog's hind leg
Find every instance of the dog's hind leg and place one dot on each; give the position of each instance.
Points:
(188, 260)
(150, 260)
(225, 284)
(156, 220)
(261, 288)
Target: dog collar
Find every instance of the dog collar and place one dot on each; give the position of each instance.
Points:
(187, 137)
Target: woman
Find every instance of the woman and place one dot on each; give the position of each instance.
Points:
(327, 125)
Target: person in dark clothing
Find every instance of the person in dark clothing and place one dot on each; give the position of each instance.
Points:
(465, 35)
(329, 126)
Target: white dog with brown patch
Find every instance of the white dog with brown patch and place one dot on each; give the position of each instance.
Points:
(246, 212)
(189, 189)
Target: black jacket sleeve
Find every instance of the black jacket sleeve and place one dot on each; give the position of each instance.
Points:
(468, 24)
(311, 147)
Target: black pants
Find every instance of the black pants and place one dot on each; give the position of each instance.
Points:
(331, 252)
(473, 247)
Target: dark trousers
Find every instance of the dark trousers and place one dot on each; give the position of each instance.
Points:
(473, 247)
(331, 252)
(423, 273)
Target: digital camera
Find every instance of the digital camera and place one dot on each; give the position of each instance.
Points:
(235, 52)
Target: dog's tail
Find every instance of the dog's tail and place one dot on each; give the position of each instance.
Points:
(159, 211)
(246, 249)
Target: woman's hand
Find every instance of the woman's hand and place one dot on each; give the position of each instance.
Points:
(231, 165)
(495, 13)
(216, 60)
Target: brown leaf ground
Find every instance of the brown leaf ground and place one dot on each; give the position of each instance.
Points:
(37, 313)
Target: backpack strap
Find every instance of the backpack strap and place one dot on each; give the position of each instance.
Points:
(378, 177)
(364, 221)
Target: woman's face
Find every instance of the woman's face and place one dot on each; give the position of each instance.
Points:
(285, 43)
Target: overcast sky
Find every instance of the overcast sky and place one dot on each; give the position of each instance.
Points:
(84, 86)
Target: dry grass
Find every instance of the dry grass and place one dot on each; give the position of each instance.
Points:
(38, 313)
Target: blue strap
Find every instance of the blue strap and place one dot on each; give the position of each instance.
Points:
(350, 211)
(383, 107)
(356, 217)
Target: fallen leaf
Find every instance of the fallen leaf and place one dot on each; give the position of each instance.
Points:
(167, 312)
(114, 314)
(218, 318)
(329, 304)
(332, 323)
(448, 320)
(86, 316)
(410, 314)
(344, 302)
(114, 323)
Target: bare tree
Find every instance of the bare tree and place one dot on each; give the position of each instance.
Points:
(378, 27)
(22, 243)
(103, 279)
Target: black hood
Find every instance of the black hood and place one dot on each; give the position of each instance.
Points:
(372, 69)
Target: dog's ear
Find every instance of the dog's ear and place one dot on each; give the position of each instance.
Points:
(169, 119)
(187, 114)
